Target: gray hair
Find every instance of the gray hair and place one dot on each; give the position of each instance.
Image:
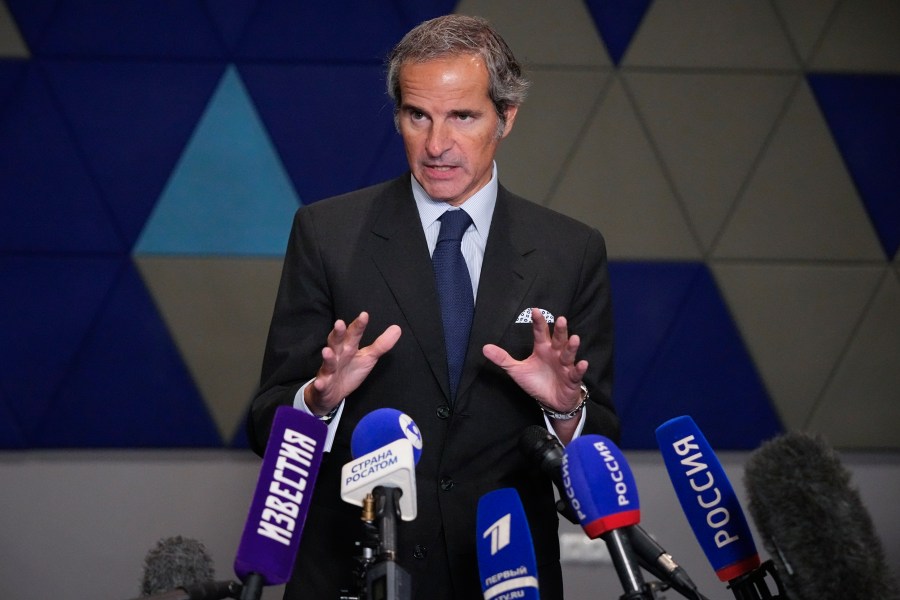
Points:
(456, 35)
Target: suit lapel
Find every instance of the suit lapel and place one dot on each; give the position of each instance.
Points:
(401, 255)
(506, 276)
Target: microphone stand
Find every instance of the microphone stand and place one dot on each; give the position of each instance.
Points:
(379, 575)
(753, 586)
(629, 574)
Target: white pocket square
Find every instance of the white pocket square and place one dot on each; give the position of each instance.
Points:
(525, 316)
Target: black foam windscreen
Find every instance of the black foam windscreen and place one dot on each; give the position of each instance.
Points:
(813, 522)
(176, 562)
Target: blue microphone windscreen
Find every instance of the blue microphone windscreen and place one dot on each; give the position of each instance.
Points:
(284, 489)
(600, 486)
(506, 560)
(381, 427)
(707, 498)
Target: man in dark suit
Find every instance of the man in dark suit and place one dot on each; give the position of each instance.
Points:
(539, 349)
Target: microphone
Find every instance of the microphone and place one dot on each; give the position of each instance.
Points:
(506, 560)
(548, 452)
(712, 509)
(271, 537)
(813, 523)
(386, 445)
(179, 568)
(601, 489)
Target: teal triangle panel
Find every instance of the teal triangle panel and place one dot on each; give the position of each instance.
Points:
(701, 369)
(132, 121)
(49, 306)
(128, 386)
(229, 193)
(863, 113)
(49, 201)
(333, 143)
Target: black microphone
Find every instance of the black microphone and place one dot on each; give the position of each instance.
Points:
(180, 568)
(813, 522)
(548, 452)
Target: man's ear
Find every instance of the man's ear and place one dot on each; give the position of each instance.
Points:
(510, 112)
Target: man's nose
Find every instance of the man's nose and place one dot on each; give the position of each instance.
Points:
(439, 139)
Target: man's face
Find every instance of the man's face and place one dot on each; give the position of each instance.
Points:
(449, 126)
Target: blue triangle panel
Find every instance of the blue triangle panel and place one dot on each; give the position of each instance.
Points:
(647, 297)
(417, 11)
(47, 307)
(12, 72)
(230, 193)
(49, 201)
(133, 29)
(389, 160)
(128, 387)
(230, 19)
(863, 113)
(11, 435)
(240, 440)
(617, 21)
(328, 123)
(31, 18)
(340, 30)
(132, 121)
(703, 370)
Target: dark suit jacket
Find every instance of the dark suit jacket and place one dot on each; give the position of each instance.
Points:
(366, 251)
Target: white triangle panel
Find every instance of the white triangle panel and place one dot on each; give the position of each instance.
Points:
(543, 33)
(218, 312)
(709, 129)
(861, 406)
(864, 35)
(800, 202)
(531, 157)
(711, 34)
(796, 320)
(614, 182)
(11, 43)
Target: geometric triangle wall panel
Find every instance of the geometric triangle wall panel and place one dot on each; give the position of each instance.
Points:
(323, 159)
(617, 23)
(567, 36)
(127, 385)
(571, 96)
(797, 320)
(217, 311)
(800, 203)
(738, 34)
(862, 36)
(805, 22)
(131, 122)
(50, 304)
(614, 181)
(687, 110)
(701, 368)
(11, 43)
(229, 193)
(861, 406)
(863, 113)
(49, 201)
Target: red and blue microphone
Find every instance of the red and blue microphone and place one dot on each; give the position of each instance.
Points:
(506, 560)
(712, 508)
(601, 490)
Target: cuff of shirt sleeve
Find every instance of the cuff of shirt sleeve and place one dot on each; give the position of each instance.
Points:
(300, 404)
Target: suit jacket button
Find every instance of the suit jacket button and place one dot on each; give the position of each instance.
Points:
(447, 483)
(443, 411)
(420, 551)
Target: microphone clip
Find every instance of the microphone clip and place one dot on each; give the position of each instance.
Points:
(754, 585)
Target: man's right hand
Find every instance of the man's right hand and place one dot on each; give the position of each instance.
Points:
(344, 364)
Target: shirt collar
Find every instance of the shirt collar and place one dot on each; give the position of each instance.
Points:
(480, 206)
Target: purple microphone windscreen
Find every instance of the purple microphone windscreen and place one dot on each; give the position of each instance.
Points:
(506, 560)
(283, 492)
(381, 427)
(599, 485)
(707, 498)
